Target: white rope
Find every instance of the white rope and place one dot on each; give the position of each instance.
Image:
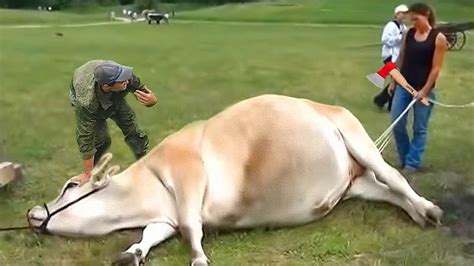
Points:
(385, 143)
(452, 105)
(384, 139)
(386, 136)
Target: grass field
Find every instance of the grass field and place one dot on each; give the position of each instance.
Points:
(197, 69)
(325, 11)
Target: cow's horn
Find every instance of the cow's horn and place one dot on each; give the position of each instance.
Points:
(101, 182)
(111, 171)
(100, 166)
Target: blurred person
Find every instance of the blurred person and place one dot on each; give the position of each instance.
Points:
(391, 41)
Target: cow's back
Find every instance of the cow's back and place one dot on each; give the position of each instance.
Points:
(269, 160)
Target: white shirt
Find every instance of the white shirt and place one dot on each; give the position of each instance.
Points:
(392, 40)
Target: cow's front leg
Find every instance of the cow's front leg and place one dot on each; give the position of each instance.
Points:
(190, 186)
(153, 234)
(191, 231)
(190, 223)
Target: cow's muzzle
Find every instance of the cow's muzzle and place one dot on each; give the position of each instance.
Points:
(37, 217)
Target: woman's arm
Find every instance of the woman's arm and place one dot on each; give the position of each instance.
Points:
(399, 62)
(401, 56)
(438, 59)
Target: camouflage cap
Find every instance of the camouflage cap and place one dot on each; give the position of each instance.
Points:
(110, 71)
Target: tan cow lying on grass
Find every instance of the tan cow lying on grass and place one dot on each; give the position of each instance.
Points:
(266, 161)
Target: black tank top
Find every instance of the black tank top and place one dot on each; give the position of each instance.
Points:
(418, 58)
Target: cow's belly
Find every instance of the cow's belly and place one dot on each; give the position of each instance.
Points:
(282, 204)
(280, 209)
(301, 160)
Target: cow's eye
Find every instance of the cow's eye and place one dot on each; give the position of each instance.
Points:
(68, 186)
(71, 185)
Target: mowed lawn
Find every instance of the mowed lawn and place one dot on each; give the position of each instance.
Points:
(197, 70)
(325, 11)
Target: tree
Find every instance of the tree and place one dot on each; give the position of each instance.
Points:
(145, 4)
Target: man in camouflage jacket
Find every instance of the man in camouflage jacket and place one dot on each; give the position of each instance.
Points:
(98, 92)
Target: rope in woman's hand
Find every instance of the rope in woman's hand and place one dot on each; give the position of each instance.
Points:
(386, 136)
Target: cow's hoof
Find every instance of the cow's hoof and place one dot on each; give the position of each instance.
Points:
(419, 219)
(433, 215)
(127, 259)
(200, 262)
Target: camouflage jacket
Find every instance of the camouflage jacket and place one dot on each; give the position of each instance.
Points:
(92, 104)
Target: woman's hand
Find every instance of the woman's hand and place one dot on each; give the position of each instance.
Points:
(422, 94)
(146, 97)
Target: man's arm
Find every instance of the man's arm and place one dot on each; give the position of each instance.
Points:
(86, 122)
(438, 59)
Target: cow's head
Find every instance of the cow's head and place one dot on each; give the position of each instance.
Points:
(80, 210)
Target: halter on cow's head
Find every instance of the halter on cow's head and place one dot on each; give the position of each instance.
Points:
(71, 201)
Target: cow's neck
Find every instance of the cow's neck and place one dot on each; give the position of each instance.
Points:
(144, 188)
(143, 195)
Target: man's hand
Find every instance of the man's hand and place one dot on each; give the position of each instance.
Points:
(82, 178)
(146, 97)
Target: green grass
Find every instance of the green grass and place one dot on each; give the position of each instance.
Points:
(21, 17)
(324, 11)
(196, 71)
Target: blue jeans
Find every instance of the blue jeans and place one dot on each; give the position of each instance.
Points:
(410, 153)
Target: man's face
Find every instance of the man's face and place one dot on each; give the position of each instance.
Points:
(401, 16)
(118, 86)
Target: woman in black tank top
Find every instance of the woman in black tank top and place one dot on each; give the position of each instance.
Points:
(421, 59)
(418, 58)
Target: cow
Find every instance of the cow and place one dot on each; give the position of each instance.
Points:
(270, 160)
(158, 17)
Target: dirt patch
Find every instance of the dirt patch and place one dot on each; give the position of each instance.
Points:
(459, 214)
(458, 207)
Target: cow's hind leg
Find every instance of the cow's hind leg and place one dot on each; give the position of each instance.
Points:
(398, 184)
(369, 188)
(366, 153)
(153, 234)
